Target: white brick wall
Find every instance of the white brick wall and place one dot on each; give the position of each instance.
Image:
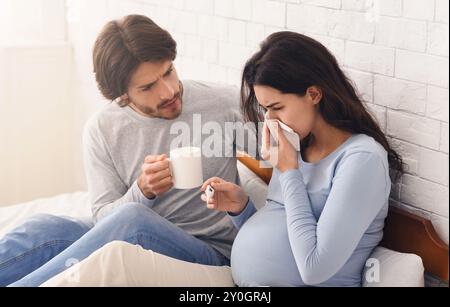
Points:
(396, 52)
(39, 21)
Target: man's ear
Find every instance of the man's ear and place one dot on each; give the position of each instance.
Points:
(315, 93)
(124, 98)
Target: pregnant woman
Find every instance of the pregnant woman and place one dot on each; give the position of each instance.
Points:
(326, 203)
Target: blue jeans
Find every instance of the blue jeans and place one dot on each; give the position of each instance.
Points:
(48, 248)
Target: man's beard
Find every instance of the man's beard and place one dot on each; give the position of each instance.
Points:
(156, 113)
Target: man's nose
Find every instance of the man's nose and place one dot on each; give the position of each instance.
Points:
(166, 90)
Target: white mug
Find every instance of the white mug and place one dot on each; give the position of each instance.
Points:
(186, 167)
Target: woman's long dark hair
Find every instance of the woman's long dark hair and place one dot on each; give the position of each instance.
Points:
(291, 63)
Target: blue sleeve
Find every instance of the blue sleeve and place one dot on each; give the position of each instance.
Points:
(239, 220)
(360, 189)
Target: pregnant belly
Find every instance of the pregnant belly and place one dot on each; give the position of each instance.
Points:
(261, 254)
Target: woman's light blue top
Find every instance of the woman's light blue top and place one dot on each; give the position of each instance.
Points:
(320, 222)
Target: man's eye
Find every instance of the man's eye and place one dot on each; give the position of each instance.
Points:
(146, 89)
(168, 73)
(277, 109)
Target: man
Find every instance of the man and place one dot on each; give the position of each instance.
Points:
(128, 175)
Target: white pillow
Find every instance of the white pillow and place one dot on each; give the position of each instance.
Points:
(388, 268)
(254, 186)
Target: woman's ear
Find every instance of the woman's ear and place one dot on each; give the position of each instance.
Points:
(315, 93)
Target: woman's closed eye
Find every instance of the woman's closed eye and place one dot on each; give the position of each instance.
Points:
(265, 110)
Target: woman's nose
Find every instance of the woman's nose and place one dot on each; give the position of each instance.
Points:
(270, 115)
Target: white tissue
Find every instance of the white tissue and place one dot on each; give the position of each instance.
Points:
(290, 134)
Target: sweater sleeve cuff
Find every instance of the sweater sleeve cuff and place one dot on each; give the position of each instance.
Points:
(139, 196)
(239, 220)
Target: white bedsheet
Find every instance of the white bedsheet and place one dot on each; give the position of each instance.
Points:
(73, 205)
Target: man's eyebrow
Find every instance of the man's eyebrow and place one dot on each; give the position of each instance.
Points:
(153, 83)
(146, 85)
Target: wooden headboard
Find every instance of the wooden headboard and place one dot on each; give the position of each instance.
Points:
(404, 232)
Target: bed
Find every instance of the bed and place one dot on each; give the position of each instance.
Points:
(410, 247)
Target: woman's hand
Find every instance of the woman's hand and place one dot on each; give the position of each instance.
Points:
(284, 156)
(228, 197)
